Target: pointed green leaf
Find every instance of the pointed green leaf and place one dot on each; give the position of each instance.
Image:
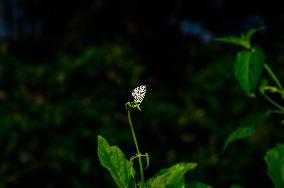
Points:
(236, 186)
(248, 69)
(274, 159)
(241, 41)
(251, 32)
(171, 177)
(197, 185)
(244, 40)
(246, 128)
(113, 159)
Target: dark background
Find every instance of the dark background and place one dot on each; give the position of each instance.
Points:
(68, 67)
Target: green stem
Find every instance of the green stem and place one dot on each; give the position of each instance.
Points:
(136, 145)
(273, 76)
(273, 102)
(275, 111)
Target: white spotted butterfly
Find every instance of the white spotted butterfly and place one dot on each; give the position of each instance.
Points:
(139, 93)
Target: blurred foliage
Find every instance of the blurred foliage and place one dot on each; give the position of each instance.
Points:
(274, 160)
(53, 108)
(52, 112)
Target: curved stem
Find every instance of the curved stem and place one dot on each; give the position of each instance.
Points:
(275, 111)
(273, 76)
(136, 145)
(273, 102)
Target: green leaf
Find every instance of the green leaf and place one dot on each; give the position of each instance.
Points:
(246, 128)
(171, 177)
(243, 40)
(113, 159)
(251, 32)
(236, 186)
(197, 185)
(248, 69)
(274, 159)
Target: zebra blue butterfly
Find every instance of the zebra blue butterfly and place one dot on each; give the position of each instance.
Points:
(139, 93)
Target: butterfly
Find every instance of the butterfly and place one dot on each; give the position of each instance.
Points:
(139, 93)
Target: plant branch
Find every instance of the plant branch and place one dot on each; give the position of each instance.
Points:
(272, 101)
(273, 76)
(136, 145)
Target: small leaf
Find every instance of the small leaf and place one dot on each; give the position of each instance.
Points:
(246, 128)
(171, 177)
(248, 69)
(241, 41)
(244, 40)
(197, 185)
(147, 160)
(236, 186)
(113, 159)
(251, 32)
(274, 159)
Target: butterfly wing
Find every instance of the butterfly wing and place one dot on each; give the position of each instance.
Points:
(139, 93)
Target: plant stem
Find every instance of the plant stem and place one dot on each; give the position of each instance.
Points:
(273, 102)
(273, 76)
(136, 145)
(275, 111)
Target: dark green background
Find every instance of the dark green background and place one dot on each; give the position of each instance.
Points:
(63, 85)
